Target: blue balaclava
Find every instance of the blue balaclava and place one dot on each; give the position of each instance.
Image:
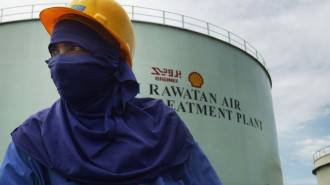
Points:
(87, 82)
(98, 132)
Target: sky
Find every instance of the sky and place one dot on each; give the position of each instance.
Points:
(293, 37)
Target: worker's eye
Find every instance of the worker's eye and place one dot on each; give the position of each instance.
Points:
(76, 47)
(53, 50)
(67, 48)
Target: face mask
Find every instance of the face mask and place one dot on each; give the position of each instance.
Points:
(81, 80)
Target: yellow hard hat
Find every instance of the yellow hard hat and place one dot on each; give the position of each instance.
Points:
(106, 17)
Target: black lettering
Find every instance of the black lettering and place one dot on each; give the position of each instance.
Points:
(244, 119)
(201, 109)
(256, 122)
(251, 122)
(153, 89)
(213, 97)
(190, 106)
(195, 92)
(222, 112)
(211, 108)
(170, 103)
(239, 117)
(237, 105)
(229, 114)
(231, 102)
(203, 97)
(187, 94)
(177, 90)
(166, 91)
(181, 107)
(224, 102)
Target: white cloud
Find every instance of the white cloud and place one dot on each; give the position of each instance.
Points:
(307, 147)
(299, 64)
(300, 98)
(304, 181)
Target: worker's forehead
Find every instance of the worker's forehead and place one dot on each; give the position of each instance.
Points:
(73, 31)
(63, 44)
(84, 36)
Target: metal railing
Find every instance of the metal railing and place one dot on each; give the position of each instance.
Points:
(147, 15)
(320, 153)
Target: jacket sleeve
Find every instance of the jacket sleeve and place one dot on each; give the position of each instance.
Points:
(200, 169)
(197, 170)
(18, 168)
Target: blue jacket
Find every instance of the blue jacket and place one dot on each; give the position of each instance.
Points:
(20, 169)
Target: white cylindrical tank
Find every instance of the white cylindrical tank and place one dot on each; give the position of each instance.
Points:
(221, 92)
(322, 166)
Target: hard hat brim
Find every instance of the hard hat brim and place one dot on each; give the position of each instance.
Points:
(50, 16)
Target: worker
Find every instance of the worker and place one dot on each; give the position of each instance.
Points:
(98, 132)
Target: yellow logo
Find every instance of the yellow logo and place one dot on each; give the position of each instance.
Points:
(196, 79)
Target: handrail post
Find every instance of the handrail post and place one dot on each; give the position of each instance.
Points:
(32, 11)
(257, 55)
(163, 17)
(229, 40)
(182, 21)
(132, 12)
(1, 15)
(208, 28)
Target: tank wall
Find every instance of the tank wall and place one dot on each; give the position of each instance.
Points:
(241, 153)
(230, 115)
(323, 175)
(322, 170)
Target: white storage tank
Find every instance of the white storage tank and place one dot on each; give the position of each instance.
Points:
(213, 79)
(322, 166)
